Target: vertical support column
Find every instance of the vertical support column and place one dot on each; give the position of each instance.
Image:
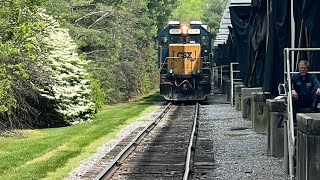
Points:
(246, 101)
(227, 90)
(276, 116)
(308, 146)
(223, 85)
(221, 77)
(217, 77)
(259, 111)
(238, 96)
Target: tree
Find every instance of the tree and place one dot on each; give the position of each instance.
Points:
(118, 40)
(18, 55)
(208, 11)
(161, 11)
(70, 92)
(24, 70)
(39, 63)
(189, 10)
(213, 10)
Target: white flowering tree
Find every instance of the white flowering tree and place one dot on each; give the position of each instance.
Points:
(70, 90)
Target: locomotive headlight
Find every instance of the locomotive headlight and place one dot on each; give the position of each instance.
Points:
(171, 71)
(184, 28)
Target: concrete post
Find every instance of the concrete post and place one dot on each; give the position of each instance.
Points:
(216, 78)
(233, 92)
(259, 111)
(227, 90)
(237, 96)
(224, 84)
(276, 115)
(308, 146)
(246, 101)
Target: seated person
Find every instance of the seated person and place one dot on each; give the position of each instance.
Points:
(305, 89)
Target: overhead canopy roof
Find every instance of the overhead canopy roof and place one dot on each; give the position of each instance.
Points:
(225, 22)
(223, 32)
(240, 2)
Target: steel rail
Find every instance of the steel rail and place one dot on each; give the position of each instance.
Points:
(192, 142)
(109, 170)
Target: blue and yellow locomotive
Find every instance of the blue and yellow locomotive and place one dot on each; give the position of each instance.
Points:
(184, 61)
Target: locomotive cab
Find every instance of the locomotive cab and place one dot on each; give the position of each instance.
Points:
(184, 62)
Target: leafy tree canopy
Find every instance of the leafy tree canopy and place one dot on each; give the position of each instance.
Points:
(189, 10)
(112, 40)
(208, 11)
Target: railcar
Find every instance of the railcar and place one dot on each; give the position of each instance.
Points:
(184, 61)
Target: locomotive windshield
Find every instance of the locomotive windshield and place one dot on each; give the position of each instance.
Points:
(190, 39)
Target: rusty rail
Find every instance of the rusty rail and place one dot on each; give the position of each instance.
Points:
(192, 144)
(108, 171)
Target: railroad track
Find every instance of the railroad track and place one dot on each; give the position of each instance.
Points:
(162, 150)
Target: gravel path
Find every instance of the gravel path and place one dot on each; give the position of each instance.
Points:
(239, 153)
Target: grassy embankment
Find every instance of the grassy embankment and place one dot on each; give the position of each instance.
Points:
(53, 153)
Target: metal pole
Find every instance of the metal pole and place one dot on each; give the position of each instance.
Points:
(216, 76)
(292, 34)
(231, 89)
(221, 68)
(303, 49)
(290, 117)
(285, 147)
(285, 125)
(284, 66)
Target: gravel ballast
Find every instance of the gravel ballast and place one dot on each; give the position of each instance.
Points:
(239, 153)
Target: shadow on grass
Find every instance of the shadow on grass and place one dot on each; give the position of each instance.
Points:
(150, 99)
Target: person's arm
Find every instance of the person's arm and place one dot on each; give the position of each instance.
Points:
(316, 84)
(293, 91)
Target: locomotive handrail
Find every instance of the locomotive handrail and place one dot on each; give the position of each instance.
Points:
(165, 60)
(175, 82)
(208, 61)
(289, 124)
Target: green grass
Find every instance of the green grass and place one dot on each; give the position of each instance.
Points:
(53, 153)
